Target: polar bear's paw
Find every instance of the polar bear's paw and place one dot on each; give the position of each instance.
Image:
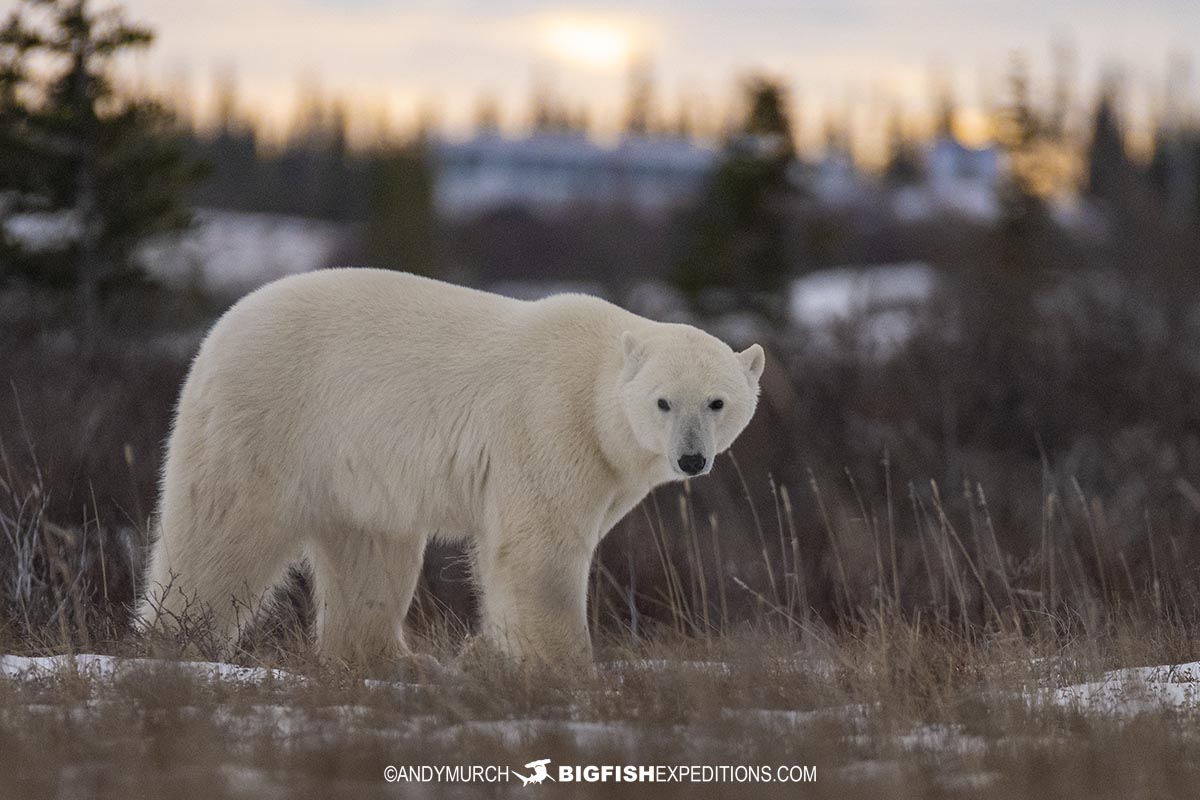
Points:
(420, 668)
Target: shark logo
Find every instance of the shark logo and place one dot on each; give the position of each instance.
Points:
(539, 774)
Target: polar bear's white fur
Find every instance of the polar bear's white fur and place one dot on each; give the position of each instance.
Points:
(349, 415)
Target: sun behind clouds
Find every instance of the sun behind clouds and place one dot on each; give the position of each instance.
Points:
(600, 44)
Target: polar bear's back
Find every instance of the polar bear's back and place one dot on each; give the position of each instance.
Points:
(334, 324)
(369, 303)
(377, 324)
(374, 391)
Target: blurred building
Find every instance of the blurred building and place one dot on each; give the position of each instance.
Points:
(836, 180)
(950, 162)
(958, 180)
(547, 173)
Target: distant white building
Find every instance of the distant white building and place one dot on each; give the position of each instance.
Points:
(836, 180)
(949, 162)
(958, 179)
(550, 172)
(547, 173)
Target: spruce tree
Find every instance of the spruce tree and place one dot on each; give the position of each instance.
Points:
(401, 225)
(18, 175)
(113, 165)
(1024, 227)
(1108, 167)
(738, 237)
(904, 166)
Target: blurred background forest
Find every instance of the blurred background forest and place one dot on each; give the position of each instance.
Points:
(983, 327)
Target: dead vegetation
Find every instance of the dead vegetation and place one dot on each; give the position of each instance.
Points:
(902, 711)
(898, 561)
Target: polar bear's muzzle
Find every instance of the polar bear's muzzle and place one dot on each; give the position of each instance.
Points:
(691, 449)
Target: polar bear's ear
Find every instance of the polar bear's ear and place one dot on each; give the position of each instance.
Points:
(634, 354)
(753, 360)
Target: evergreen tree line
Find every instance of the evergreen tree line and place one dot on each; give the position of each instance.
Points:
(108, 168)
(385, 189)
(102, 170)
(743, 232)
(119, 169)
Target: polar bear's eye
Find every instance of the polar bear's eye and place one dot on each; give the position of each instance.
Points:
(663, 404)
(717, 405)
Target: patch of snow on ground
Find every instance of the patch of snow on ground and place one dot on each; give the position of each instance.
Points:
(251, 782)
(42, 231)
(283, 722)
(104, 667)
(659, 665)
(855, 714)
(227, 252)
(231, 252)
(1126, 691)
(882, 301)
(872, 770)
(971, 781)
(516, 732)
(1133, 690)
(942, 738)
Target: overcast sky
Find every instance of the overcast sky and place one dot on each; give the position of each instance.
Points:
(400, 57)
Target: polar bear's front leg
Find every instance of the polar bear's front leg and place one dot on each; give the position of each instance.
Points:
(533, 576)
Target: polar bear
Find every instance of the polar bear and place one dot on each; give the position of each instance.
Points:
(349, 415)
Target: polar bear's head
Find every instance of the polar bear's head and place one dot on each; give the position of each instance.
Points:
(687, 395)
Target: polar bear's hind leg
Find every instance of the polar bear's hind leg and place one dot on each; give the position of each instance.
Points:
(363, 585)
(215, 580)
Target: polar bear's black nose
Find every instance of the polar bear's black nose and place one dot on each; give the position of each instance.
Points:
(692, 463)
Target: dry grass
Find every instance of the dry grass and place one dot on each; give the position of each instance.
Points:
(890, 622)
(725, 664)
(731, 665)
(900, 711)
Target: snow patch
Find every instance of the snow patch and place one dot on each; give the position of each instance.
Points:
(854, 714)
(942, 738)
(106, 667)
(517, 732)
(660, 665)
(881, 302)
(229, 252)
(1133, 690)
